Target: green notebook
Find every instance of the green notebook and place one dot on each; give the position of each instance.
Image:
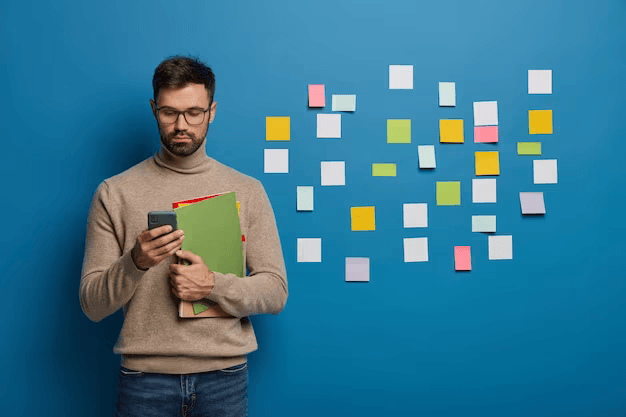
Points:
(212, 231)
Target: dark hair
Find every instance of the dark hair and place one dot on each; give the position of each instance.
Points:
(179, 71)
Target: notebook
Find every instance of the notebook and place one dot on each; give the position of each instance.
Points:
(212, 231)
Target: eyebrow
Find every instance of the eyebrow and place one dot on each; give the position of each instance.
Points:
(174, 108)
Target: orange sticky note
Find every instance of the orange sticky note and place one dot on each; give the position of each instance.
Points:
(485, 134)
(451, 131)
(462, 258)
(487, 163)
(316, 95)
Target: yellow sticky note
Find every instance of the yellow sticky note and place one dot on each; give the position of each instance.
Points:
(487, 163)
(448, 193)
(363, 218)
(277, 128)
(383, 170)
(539, 121)
(451, 130)
(398, 130)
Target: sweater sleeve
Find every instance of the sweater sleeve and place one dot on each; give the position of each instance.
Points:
(108, 278)
(265, 289)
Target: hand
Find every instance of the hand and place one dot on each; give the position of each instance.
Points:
(191, 282)
(151, 247)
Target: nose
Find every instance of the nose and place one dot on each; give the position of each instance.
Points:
(181, 123)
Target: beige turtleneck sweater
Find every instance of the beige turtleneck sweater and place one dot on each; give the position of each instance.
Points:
(153, 338)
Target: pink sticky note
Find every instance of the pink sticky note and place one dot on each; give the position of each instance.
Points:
(485, 134)
(316, 95)
(462, 258)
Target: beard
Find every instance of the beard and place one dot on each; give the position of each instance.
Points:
(181, 148)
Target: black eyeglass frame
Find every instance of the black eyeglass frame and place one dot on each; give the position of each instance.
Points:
(183, 113)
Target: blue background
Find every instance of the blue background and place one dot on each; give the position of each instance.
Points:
(541, 334)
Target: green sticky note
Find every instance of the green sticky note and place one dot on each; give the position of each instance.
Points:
(304, 198)
(448, 193)
(383, 170)
(199, 308)
(398, 130)
(529, 148)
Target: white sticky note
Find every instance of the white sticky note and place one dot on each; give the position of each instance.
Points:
(532, 203)
(400, 77)
(415, 249)
(309, 249)
(415, 214)
(483, 190)
(447, 94)
(486, 224)
(426, 156)
(500, 247)
(357, 269)
(304, 198)
(328, 125)
(344, 102)
(544, 171)
(276, 161)
(539, 81)
(333, 172)
(485, 113)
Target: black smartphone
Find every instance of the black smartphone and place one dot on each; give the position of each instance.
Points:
(161, 218)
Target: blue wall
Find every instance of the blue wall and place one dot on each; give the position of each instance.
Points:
(541, 334)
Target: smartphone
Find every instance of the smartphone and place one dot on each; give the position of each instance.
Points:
(161, 218)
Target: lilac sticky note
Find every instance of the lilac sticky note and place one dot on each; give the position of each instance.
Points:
(532, 203)
(357, 269)
(485, 134)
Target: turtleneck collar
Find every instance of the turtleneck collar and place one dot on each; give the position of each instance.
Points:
(197, 162)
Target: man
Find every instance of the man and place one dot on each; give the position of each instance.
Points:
(172, 365)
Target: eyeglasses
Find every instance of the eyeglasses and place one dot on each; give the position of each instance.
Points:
(193, 116)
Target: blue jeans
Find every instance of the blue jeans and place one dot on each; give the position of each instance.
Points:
(221, 393)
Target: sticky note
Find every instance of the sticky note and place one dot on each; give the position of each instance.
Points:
(462, 258)
(277, 128)
(333, 172)
(529, 148)
(532, 203)
(487, 163)
(544, 171)
(500, 247)
(485, 134)
(483, 190)
(276, 161)
(484, 224)
(415, 249)
(448, 193)
(426, 156)
(398, 130)
(309, 249)
(451, 130)
(539, 122)
(344, 102)
(304, 198)
(383, 170)
(415, 214)
(447, 94)
(400, 77)
(363, 218)
(539, 81)
(317, 97)
(357, 269)
(329, 125)
(485, 113)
